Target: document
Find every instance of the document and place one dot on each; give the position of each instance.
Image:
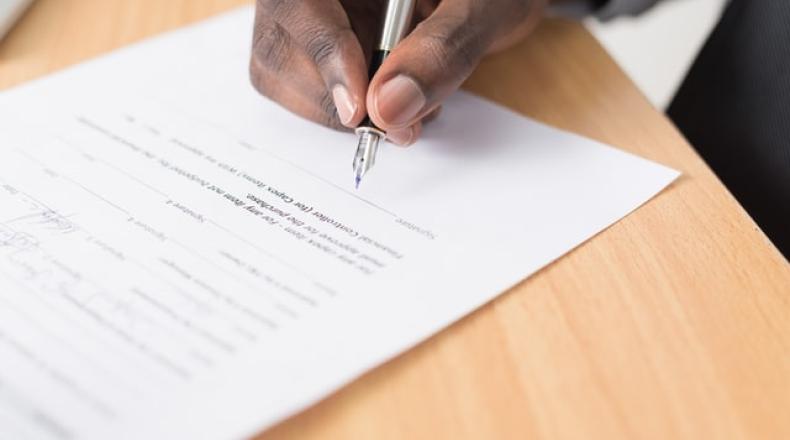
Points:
(182, 259)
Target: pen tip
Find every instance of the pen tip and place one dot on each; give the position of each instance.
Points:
(358, 179)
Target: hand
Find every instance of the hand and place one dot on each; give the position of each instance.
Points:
(310, 56)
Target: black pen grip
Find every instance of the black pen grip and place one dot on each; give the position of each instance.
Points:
(375, 63)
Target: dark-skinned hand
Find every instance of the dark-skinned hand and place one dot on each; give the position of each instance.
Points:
(311, 57)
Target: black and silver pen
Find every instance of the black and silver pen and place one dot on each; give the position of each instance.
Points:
(396, 23)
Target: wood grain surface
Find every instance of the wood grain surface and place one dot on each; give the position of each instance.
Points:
(673, 323)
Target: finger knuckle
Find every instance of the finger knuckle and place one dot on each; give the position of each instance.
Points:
(451, 46)
(271, 45)
(277, 8)
(260, 79)
(321, 45)
(328, 112)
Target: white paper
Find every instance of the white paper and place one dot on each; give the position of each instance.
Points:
(181, 258)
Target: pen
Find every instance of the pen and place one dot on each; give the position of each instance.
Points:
(396, 22)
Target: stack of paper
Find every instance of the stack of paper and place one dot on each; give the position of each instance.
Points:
(181, 258)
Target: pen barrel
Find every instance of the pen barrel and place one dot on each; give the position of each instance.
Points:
(396, 22)
(375, 62)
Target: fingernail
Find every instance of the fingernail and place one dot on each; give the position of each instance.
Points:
(401, 136)
(399, 101)
(344, 104)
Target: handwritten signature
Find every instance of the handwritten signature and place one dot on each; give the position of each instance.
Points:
(46, 219)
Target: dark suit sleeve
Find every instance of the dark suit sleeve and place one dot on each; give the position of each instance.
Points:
(609, 9)
(603, 9)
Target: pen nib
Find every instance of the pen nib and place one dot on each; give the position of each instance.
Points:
(366, 152)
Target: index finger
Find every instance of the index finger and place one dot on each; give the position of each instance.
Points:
(321, 29)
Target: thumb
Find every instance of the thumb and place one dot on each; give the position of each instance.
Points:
(436, 58)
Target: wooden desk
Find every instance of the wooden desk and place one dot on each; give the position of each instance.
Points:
(673, 323)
